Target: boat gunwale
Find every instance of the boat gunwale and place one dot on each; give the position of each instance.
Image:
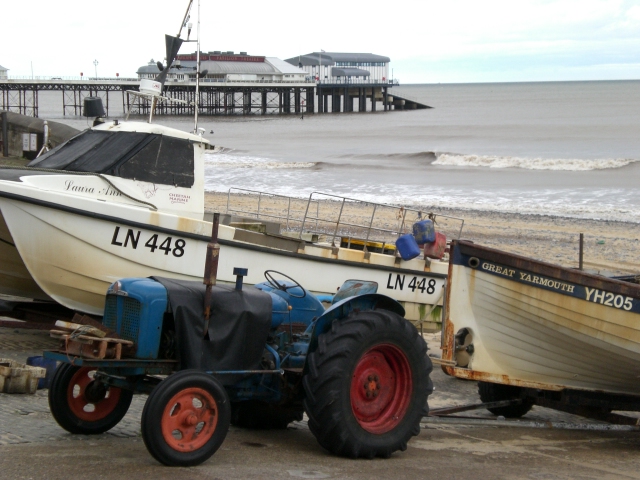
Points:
(544, 268)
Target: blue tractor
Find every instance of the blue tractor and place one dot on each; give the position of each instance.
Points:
(267, 354)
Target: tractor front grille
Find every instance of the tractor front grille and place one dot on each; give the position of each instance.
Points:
(130, 316)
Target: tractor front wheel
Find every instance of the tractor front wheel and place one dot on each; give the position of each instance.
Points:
(83, 405)
(186, 418)
(367, 385)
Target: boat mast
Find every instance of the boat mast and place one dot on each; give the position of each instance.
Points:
(197, 99)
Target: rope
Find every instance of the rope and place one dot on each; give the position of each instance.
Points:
(82, 174)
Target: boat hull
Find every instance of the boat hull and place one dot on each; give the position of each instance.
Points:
(73, 253)
(537, 325)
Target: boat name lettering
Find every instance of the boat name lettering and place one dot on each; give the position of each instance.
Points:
(414, 284)
(70, 185)
(509, 272)
(547, 282)
(179, 198)
(108, 191)
(131, 239)
(607, 298)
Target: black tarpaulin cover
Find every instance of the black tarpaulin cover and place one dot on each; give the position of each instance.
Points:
(238, 327)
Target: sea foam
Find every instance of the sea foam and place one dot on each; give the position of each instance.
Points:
(531, 163)
(222, 159)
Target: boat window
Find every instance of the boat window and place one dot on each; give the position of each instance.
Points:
(166, 160)
(141, 156)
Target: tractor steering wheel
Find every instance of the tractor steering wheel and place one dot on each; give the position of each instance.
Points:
(268, 274)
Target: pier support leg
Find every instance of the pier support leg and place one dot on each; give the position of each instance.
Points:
(321, 108)
(310, 101)
(296, 100)
(246, 102)
(287, 100)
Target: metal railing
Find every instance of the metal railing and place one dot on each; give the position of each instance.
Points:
(354, 81)
(264, 210)
(335, 218)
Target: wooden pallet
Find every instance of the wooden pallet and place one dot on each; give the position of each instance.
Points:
(88, 346)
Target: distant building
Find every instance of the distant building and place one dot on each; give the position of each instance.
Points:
(228, 67)
(334, 67)
(3, 73)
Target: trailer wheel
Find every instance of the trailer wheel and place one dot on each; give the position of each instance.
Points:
(496, 392)
(186, 418)
(82, 405)
(367, 386)
(263, 416)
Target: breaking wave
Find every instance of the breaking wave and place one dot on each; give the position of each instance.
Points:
(491, 161)
(222, 159)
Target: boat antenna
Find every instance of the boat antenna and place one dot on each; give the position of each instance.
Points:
(185, 20)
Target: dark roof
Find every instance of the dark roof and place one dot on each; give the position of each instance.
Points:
(330, 58)
(349, 72)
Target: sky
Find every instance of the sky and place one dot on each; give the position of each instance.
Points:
(453, 41)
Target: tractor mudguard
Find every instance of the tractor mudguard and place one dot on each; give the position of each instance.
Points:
(341, 309)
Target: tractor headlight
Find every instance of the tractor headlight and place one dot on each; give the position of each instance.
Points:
(116, 289)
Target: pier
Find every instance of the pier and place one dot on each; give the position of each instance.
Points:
(216, 98)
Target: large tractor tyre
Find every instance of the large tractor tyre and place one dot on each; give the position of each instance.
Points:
(82, 405)
(367, 385)
(496, 392)
(186, 418)
(262, 416)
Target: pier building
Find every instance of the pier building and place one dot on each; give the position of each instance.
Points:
(337, 67)
(349, 82)
(4, 73)
(224, 67)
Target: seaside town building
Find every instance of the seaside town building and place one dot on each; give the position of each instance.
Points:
(336, 67)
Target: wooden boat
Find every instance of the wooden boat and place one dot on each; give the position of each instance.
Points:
(516, 321)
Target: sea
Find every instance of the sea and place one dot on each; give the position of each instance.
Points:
(549, 148)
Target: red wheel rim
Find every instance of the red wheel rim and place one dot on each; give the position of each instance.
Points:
(381, 388)
(82, 405)
(189, 419)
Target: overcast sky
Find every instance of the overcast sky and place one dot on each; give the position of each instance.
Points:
(428, 41)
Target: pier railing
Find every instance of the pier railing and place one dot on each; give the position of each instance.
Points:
(337, 220)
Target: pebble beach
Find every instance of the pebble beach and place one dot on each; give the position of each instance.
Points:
(610, 247)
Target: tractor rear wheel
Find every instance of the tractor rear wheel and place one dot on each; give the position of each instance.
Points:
(367, 386)
(262, 416)
(186, 418)
(82, 405)
(496, 392)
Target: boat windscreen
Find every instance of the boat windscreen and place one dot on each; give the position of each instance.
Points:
(140, 156)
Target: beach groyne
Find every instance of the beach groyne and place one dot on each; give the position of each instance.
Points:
(22, 136)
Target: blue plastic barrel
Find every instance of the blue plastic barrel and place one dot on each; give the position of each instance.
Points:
(424, 232)
(407, 247)
(49, 365)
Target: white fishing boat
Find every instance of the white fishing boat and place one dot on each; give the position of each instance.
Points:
(126, 199)
(537, 327)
